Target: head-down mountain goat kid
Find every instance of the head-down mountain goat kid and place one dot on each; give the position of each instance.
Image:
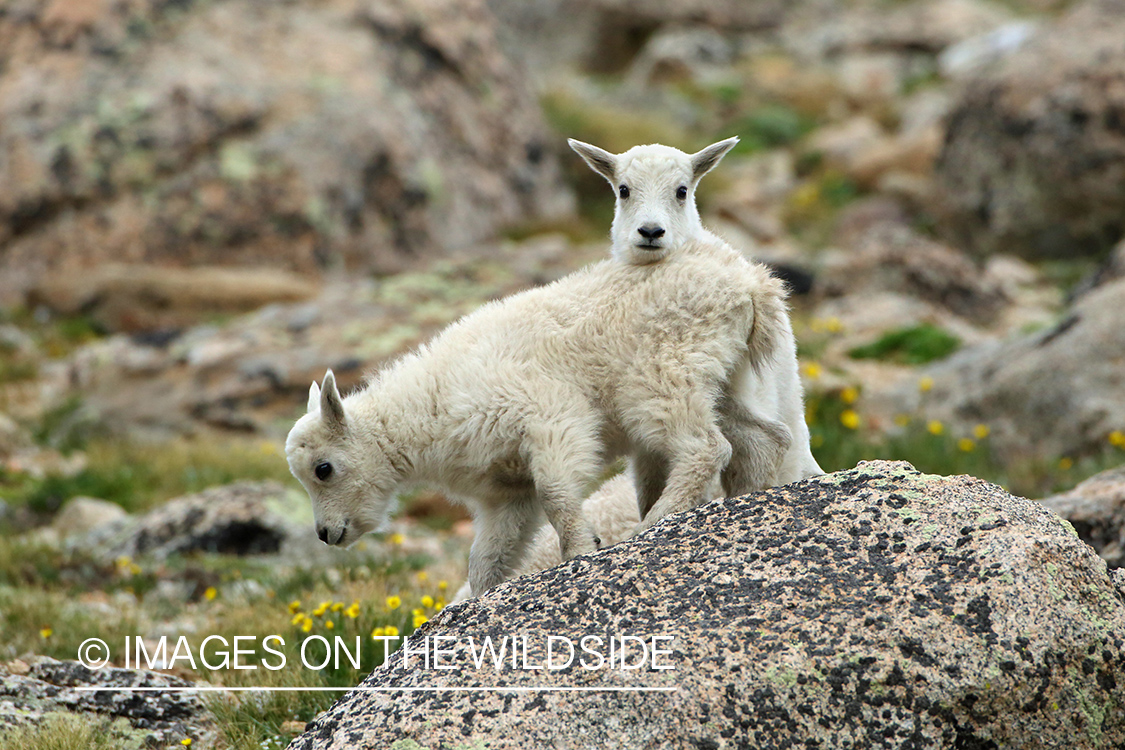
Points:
(519, 407)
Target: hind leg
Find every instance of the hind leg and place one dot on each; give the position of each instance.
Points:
(651, 475)
(758, 448)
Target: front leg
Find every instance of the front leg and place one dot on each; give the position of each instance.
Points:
(504, 531)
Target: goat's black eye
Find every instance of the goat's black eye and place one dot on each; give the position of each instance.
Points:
(681, 193)
(623, 191)
(323, 471)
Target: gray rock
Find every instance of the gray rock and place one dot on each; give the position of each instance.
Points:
(1055, 392)
(876, 607)
(292, 136)
(247, 518)
(1096, 509)
(162, 718)
(81, 515)
(1034, 158)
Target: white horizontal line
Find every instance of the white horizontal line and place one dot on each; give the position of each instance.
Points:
(486, 689)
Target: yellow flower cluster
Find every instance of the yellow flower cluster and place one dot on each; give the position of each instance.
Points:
(126, 566)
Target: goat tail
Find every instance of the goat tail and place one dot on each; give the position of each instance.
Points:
(771, 328)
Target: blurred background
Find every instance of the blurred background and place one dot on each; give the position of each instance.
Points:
(206, 203)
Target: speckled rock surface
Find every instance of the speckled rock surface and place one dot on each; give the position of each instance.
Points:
(32, 692)
(877, 607)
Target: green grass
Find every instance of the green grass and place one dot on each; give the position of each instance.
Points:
(66, 731)
(139, 475)
(916, 345)
(841, 437)
(768, 126)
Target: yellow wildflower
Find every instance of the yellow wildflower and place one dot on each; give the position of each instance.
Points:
(849, 419)
(321, 609)
(298, 618)
(427, 601)
(393, 602)
(981, 431)
(1117, 439)
(1066, 463)
(329, 624)
(391, 630)
(307, 624)
(926, 384)
(417, 612)
(294, 605)
(397, 538)
(966, 445)
(338, 607)
(352, 611)
(377, 632)
(849, 395)
(45, 633)
(902, 419)
(443, 585)
(439, 605)
(420, 620)
(934, 427)
(186, 741)
(813, 370)
(423, 576)
(210, 593)
(833, 325)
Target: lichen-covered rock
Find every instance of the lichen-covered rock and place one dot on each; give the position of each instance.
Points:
(876, 607)
(245, 518)
(1034, 157)
(1096, 509)
(30, 693)
(296, 135)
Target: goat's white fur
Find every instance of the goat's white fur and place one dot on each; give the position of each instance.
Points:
(519, 407)
(652, 175)
(761, 394)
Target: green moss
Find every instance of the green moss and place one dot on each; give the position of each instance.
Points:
(912, 346)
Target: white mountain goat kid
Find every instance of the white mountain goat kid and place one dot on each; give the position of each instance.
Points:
(655, 218)
(518, 407)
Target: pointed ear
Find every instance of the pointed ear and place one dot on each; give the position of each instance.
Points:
(601, 161)
(314, 396)
(331, 405)
(704, 161)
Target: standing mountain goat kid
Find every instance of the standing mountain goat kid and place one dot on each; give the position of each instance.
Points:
(521, 405)
(655, 218)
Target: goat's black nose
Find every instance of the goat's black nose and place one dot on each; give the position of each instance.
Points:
(651, 231)
(322, 534)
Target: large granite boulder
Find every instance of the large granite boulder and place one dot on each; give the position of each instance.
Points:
(296, 135)
(877, 607)
(1034, 156)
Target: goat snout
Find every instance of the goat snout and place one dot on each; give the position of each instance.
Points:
(331, 536)
(651, 231)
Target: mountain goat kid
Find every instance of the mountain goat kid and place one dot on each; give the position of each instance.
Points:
(656, 219)
(520, 406)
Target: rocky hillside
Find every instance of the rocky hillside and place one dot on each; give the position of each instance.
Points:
(204, 204)
(877, 607)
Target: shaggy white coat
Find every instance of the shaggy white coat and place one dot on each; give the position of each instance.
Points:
(520, 406)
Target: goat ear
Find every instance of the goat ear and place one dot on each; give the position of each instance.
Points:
(314, 396)
(331, 405)
(704, 161)
(600, 160)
